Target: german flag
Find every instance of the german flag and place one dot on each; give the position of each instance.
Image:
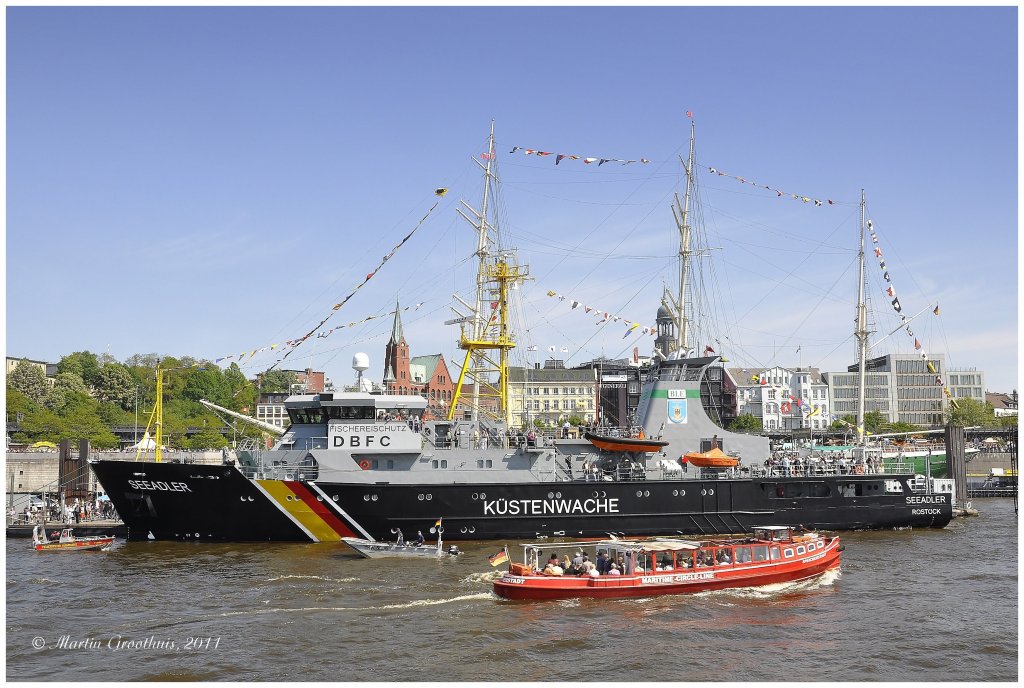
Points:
(438, 524)
(498, 558)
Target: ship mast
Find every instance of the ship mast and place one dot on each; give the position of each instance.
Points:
(488, 316)
(862, 331)
(677, 303)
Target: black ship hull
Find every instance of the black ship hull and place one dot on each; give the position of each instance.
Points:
(169, 501)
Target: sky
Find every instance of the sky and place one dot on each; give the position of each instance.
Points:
(211, 181)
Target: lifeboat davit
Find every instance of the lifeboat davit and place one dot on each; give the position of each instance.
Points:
(713, 458)
(624, 444)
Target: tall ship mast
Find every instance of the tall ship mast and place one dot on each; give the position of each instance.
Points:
(364, 465)
(489, 338)
(861, 332)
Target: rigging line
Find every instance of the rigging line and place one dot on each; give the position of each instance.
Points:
(602, 325)
(776, 231)
(621, 241)
(642, 183)
(788, 275)
(287, 325)
(811, 312)
(566, 182)
(339, 305)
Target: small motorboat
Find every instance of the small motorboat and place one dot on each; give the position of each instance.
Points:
(713, 458)
(624, 444)
(667, 566)
(67, 541)
(374, 549)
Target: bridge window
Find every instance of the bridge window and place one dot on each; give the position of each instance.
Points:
(776, 555)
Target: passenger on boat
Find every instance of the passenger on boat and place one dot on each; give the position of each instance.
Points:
(401, 538)
(553, 569)
(602, 562)
(588, 566)
(419, 539)
(622, 565)
(723, 557)
(666, 563)
(566, 563)
(614, 570)
(577, 563)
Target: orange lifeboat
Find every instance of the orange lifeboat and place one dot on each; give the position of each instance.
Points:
(713, 458)
(624, 444)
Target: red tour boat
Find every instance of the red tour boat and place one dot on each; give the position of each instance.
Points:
(68, 541)
(665, 566)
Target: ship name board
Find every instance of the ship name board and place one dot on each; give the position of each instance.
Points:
(379, 437)
(539, 507)
(159, 485)
(678, 577)
(927, 499)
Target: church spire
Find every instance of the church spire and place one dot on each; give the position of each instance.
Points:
(397, 336)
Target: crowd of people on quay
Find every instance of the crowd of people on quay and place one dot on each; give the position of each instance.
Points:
(77, 511)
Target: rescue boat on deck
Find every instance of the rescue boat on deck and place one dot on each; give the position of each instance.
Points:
(624, 444)
(665, 566)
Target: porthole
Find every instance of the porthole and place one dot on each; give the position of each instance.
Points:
(639, 493)
(288, 498)
(647, 493)
(675, 493)
(319, 498)
(464, 530)
(558, 495)
(682, 493)
(704, 492)
(551, 495)
(335, 497)
(711, 492)
(472, 529)
(197, 534)
(366, 498)
(483, 496)
(242, 498)
(800, 550)
(476, 495)
(374, 498)
(594, 494)
(787, 552)
(420, 496)
(429, 497)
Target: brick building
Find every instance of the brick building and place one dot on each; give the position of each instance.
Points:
(426, 376)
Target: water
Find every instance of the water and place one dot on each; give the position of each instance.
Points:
(926, 605)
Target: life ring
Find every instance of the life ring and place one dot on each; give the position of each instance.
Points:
(364, 464)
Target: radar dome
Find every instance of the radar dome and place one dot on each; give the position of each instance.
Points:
(360, 362)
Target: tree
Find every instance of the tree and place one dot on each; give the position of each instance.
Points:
(207, 439)
(30, 380)
(85, 364)
(874, 421)
(241, 392)
(746, 422)
(18, 406)
(206, 383)
(43, 424)
(115, 383)
(85, 424)
(971, 412)
(68, 390)
(900, 426)
(277, 381)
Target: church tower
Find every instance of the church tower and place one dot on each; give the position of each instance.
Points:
(396, 359)
(666, 340)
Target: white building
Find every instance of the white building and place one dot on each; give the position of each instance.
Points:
(905, 388)
(783, 398)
